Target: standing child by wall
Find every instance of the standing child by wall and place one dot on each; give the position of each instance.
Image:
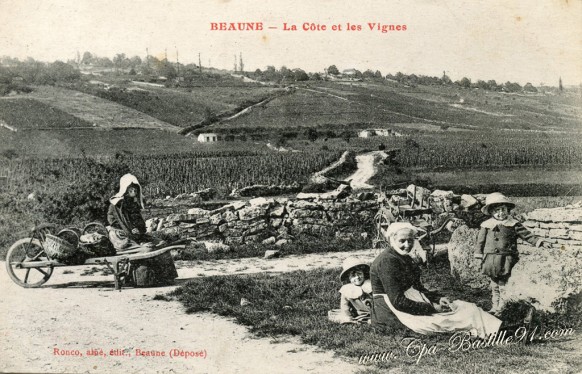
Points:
(496, 246)
(356, 293)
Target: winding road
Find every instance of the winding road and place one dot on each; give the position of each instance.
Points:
(366, 170)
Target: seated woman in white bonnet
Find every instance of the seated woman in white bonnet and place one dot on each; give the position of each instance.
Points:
(400, 296)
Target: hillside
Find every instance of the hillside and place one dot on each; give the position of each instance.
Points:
(110, 114)
(338, 104)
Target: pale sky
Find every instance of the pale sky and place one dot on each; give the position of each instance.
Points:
(516, 40)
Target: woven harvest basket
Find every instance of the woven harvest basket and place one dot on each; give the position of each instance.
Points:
(58, 248)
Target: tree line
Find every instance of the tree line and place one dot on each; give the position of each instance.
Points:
(36, 72)
(286, 75)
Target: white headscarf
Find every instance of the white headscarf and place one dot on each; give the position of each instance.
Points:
(124, 183)
(417, 251)
(397, 226)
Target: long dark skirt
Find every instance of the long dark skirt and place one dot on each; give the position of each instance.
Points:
(156, 271)
(382, 316)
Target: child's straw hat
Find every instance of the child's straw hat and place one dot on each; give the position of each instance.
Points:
(351, 263)
(496, 198)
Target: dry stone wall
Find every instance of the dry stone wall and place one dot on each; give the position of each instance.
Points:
(547, 277)
(272, 219)
(561, 226)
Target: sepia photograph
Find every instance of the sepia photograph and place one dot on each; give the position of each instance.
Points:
(240, 186)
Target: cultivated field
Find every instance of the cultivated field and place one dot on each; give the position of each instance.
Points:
(30, 114)
(331, 104)
(171, 174)
(181, 107)
(96, 111)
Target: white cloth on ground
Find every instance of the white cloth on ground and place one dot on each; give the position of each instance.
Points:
(465, 317)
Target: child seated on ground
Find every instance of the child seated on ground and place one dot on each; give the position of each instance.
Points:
(356, 293)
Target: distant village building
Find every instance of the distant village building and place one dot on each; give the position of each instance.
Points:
(350, 73)
(386, 132)
(207, 137)
(368, 133)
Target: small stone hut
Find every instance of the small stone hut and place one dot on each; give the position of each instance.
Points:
(208, 137)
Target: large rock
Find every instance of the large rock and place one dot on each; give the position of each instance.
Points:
(270, 240)
(463, 265)
(171, 233)
(545, 277)
(301, 213)
(301, 204)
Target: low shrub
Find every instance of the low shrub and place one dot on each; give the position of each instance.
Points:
(84, 199)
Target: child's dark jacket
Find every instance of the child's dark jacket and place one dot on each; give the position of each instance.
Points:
(497, 246)
(500, 237)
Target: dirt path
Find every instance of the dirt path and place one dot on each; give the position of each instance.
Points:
(365, 171)
(318, 175)
(75, 312)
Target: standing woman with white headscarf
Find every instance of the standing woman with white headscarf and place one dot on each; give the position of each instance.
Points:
(399, 294)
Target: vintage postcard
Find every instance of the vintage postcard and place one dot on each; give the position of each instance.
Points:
(233, 186)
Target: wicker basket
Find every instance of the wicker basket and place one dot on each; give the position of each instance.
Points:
(58, 248)
(95, 227)
(100, 248)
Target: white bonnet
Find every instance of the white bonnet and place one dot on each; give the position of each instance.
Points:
(397, 226)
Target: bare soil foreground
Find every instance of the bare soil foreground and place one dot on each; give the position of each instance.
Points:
(42, 328)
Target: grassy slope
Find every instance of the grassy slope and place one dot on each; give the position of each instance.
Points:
(297, 303)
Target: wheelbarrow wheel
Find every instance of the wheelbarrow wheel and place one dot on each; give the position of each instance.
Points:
(27, 251)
